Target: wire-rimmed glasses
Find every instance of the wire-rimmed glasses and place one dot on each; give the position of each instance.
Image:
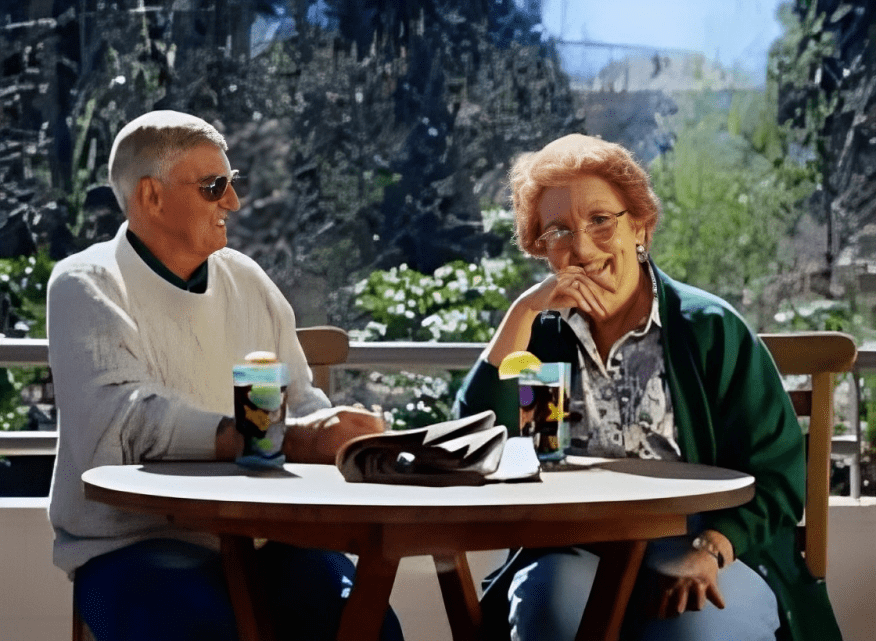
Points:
(600, 229)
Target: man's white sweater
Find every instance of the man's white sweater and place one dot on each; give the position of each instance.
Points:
(143, 371)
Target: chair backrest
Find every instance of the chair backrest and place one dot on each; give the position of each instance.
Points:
(323, 346)
(820, 355)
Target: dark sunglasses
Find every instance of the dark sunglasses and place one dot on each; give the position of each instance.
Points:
(216, 189)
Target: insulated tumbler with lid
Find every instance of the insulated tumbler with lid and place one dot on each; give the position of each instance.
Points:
(260, 408)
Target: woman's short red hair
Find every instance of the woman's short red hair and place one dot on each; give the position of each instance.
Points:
(567, 159)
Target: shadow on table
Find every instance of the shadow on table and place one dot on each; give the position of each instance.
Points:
(649, 468)
(197, 469)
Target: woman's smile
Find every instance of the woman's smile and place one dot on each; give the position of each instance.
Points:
(611, 266)
(602, 274)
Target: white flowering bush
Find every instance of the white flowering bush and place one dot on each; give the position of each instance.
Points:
(458, 302)
(413, 399)
(23, 282)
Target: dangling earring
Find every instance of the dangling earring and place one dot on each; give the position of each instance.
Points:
(641, 253)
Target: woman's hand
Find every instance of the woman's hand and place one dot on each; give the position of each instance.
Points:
(685, 583)
(317, 437)
(569, 287)
(687, 577)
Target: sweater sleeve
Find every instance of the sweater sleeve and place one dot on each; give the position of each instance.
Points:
(551, 340)
(482, 390)
(113, 409)
(755, 430)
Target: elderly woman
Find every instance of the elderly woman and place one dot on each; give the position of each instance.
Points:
(660, 370)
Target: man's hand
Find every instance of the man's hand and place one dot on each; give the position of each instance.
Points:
(685, 581)
(229, 442)
(317, 437)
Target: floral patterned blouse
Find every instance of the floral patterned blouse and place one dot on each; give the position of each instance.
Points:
(623, 407)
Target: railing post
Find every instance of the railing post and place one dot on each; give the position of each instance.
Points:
(855, 468)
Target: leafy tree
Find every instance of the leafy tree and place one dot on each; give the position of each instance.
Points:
(393, 116)
(804, 103)
(824, 68)
(731, 198)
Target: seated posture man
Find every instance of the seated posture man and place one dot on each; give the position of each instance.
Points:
(143, 333)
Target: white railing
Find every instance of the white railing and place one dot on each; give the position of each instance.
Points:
(20, 352)
(411, 355)
(415, 356)
(24, 352)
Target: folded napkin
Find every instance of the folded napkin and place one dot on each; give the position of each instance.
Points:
(464, 451)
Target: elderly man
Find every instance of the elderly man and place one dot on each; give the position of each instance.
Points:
(143, 332)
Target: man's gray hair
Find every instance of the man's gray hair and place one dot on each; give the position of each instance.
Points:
(151, 145)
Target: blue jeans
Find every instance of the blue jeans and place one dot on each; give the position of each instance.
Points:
(176, 591)
(546, 600)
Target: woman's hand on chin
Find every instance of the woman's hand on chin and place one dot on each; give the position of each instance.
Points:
(569, 287)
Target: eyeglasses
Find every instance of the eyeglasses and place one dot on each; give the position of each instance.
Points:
(216, 189)
(600, 229)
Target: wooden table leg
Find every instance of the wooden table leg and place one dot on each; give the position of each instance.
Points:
(460, 596)
(238, 559)
(366, 607)
(619, 564)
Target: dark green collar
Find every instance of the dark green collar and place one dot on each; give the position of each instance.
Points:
(197, 284)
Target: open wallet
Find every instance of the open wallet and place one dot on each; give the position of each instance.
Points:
(465, 451)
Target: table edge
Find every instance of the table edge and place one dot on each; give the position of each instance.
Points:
(406, 514)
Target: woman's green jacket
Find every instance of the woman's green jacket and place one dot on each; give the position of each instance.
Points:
(731, 411)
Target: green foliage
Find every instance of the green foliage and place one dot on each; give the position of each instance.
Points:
(23, 283)
(14, 382)
(731, 198)
(455, 303)
(424, 398)
(868, 409)
(817, 315)
(459, 301)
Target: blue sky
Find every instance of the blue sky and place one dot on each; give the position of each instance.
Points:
(731, 31)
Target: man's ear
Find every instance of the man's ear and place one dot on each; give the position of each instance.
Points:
(148, 195)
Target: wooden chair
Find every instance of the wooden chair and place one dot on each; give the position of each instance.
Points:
(819, 355)
(323, 347)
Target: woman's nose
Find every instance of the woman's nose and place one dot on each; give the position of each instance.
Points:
(582, 245)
